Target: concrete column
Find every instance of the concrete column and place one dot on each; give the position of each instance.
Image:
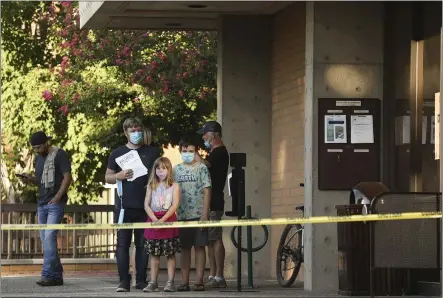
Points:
(244, 110)
(344, 59)
(309, 144)
(440, 137)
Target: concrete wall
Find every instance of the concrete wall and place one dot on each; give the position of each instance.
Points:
(244, 105)
(344, 59)
(288, 88)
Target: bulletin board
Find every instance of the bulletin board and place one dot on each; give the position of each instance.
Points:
(348, 142)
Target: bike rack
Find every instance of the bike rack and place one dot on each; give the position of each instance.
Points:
(249, 248)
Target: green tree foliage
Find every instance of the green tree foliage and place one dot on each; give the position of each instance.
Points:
(80, 85)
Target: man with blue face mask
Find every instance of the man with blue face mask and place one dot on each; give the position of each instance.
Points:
(218, 164)
(129, 205)
(195, 195)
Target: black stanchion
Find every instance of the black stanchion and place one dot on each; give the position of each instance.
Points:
(237, 188)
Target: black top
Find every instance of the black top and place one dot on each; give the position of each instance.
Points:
(134, 192)
(219, 160)
(62, 166)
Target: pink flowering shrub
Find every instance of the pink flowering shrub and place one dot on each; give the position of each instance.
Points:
(175, 69)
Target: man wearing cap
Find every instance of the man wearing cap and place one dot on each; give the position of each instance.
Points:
(53, 177)
(217, 163)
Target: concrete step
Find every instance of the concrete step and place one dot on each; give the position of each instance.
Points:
(427, 288)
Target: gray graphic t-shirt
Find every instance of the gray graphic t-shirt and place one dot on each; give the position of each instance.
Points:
(193, 179)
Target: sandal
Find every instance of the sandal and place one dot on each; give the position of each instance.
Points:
(199, 287)
(183, 288)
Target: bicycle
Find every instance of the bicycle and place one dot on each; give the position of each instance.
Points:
(285, 252)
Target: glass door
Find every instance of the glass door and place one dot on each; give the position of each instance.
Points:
(412, 77)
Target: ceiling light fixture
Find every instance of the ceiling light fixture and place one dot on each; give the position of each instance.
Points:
(173, 24)
(197, 6)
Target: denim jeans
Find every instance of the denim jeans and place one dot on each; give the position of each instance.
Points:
(124, 237)
(51, 214)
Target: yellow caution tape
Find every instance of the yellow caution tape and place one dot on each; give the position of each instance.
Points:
(228, 222)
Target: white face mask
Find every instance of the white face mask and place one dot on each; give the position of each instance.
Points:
(161, 174)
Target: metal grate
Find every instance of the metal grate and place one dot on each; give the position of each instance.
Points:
(406, 243)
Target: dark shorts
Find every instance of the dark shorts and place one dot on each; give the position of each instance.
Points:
(193, 237)
(215, 233)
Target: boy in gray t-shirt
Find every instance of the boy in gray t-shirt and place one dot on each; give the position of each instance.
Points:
(193, 180)
(195, 195)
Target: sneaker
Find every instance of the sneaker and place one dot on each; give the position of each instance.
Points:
(208, 280)
(218, 283)
(123, 287)
(141, 285)
(169, 287)
(151, 287)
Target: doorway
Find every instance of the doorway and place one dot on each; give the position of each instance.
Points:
(411, 80)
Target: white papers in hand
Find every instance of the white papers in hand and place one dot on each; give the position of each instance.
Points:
(131, 160)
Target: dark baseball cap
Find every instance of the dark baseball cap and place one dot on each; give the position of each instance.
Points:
(212, 126)
(39, 138)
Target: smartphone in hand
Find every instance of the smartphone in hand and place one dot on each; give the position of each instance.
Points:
(22, 176)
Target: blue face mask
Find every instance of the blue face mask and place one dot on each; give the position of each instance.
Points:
(188, 157)
(209, 141)
(136, 137)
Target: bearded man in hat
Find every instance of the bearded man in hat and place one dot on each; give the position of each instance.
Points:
(217, 162)
(53, 177)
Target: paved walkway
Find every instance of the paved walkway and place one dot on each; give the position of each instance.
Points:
(88, 284)
(104, 286)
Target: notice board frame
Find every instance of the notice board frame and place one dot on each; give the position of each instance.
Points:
(342, 166)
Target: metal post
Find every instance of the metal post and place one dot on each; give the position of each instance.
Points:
(240, 205)
(249, 238)
(440, 136)
(9, 236)
(74, 237)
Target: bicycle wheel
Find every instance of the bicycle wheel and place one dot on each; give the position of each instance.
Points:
(286, 275)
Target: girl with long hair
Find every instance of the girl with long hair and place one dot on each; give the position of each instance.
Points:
(161, 203)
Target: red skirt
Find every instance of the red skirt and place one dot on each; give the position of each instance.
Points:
(162, 233)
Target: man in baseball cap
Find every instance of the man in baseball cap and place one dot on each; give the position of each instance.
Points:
(53, 178)
(210, 126)
(218, 164)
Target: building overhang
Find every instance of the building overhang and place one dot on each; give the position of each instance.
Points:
(167, 15)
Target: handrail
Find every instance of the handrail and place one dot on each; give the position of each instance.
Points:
(72, 244)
